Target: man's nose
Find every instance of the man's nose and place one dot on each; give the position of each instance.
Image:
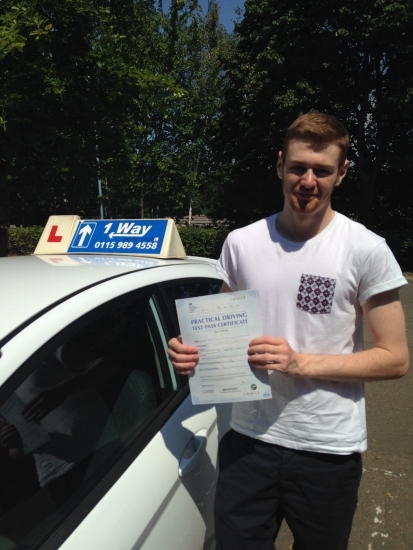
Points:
(308, 179)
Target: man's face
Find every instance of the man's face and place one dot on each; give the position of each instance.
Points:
(309, 175)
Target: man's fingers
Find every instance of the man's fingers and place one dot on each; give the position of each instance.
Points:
(261, 350)
(263, 360)
(184, 368)
(176, 345)
(263, 354)
(266, 340)
(185, 371)
(32, 409)
(184, 358)
(268, 348)
(9, 436)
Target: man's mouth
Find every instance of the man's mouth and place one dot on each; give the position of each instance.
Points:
(305, 196)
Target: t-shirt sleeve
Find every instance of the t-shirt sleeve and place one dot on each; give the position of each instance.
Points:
(226, 265)
(380, 272)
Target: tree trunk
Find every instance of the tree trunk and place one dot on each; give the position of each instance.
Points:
(142, 207)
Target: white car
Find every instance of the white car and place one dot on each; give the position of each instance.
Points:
(101, 447)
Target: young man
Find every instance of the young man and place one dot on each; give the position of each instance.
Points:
(317, 274)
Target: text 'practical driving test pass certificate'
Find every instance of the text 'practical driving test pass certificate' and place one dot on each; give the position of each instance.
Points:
(221, 327)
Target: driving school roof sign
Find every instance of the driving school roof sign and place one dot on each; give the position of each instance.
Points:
(68, 234)
(120, 236)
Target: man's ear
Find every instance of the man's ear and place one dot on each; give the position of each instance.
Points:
(280, 164)
(342, 171)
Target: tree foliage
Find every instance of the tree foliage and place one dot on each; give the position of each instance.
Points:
(111, 91)
(349, 59)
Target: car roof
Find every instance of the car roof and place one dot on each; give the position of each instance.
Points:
(32, 284)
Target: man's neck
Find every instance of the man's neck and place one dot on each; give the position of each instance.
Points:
(298, 227)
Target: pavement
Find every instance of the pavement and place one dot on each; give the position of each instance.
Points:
(384, 517)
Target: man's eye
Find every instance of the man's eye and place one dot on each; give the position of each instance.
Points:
(298, 169)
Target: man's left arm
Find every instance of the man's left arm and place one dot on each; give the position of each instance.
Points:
(387, 359)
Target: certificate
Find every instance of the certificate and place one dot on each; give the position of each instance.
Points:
(33, 435)
(221, 327)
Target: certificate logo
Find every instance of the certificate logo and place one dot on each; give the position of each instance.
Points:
(254, 386)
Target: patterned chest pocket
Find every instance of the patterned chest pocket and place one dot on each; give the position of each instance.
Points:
(315, 294)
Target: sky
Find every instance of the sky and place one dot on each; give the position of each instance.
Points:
(226, 10)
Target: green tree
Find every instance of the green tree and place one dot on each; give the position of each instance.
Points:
(73, 86)
(117, 92)
(177, 157)
(348, 59)
(20, 23)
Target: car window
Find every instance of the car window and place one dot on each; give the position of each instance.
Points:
(190, 289)
(84, 403)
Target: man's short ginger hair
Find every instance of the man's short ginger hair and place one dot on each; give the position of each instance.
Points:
(321, 130)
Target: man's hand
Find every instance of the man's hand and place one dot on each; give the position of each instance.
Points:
(41, 405)
(10, 437)
(387, 359)
(184, 358)
(273, 353)
(11, 441)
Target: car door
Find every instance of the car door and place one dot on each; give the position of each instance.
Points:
(110, 453)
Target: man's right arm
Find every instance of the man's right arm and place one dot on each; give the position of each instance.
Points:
(185, 358)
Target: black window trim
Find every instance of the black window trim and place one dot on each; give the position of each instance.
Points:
(172, 326)
(172, 311)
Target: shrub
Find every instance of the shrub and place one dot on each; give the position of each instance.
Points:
(202, 241)
(23, 240)
(401, 244)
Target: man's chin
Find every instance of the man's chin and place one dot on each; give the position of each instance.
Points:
(304, 206)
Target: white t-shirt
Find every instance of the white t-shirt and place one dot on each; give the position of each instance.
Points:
(310, 293)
